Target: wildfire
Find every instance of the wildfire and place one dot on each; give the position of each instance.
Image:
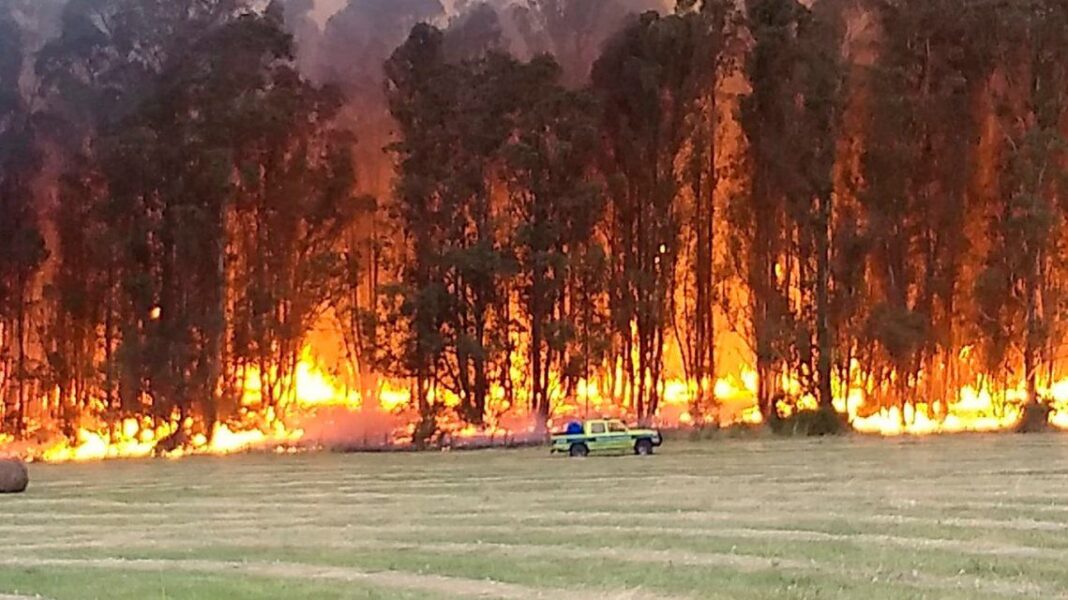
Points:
(317, 391)
(133, 441)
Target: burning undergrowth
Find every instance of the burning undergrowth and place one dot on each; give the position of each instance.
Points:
(324, 416)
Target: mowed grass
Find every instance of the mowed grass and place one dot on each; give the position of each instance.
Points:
(857, 517)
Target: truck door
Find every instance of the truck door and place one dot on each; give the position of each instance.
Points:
(619, 436)
(598, 436)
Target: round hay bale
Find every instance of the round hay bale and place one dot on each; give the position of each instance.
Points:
(13, 477)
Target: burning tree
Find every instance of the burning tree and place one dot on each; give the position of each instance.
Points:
(558, 201)
(916, 194)
(643, 78)
(202, 207)
(1020, 290)
(454, 119)
(22, 247)
(792, 120)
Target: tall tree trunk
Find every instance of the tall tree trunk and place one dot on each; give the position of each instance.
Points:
(20, 414)
(824, 338)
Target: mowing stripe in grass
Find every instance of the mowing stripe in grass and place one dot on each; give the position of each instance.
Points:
(27, 522)
(958, 527)
(297, 506)
(974, 544)
(437, 584)
(851, 482)
(577, 576)
(67, 583)
(1051, 507)
(835, 523)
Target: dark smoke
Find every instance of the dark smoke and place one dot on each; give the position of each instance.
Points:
(360, 35)
(31, 24)
(573, 31)
(356, 39)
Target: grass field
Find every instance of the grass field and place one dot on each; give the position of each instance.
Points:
(949, 517)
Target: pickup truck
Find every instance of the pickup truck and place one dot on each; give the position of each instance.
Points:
(604, 435)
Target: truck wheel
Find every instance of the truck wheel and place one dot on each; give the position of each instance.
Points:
(643, 448)
(579, 450)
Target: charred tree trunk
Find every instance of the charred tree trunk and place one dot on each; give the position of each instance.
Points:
(1035, 417)
(824, 337)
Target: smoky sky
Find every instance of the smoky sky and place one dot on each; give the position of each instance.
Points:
(345, 42)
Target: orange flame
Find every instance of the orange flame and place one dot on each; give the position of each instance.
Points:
(316, 389)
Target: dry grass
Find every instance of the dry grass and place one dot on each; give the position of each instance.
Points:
(953, 517)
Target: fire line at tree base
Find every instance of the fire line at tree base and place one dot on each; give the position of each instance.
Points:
(323, 414)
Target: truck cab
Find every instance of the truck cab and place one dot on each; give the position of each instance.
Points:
(604, 436)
